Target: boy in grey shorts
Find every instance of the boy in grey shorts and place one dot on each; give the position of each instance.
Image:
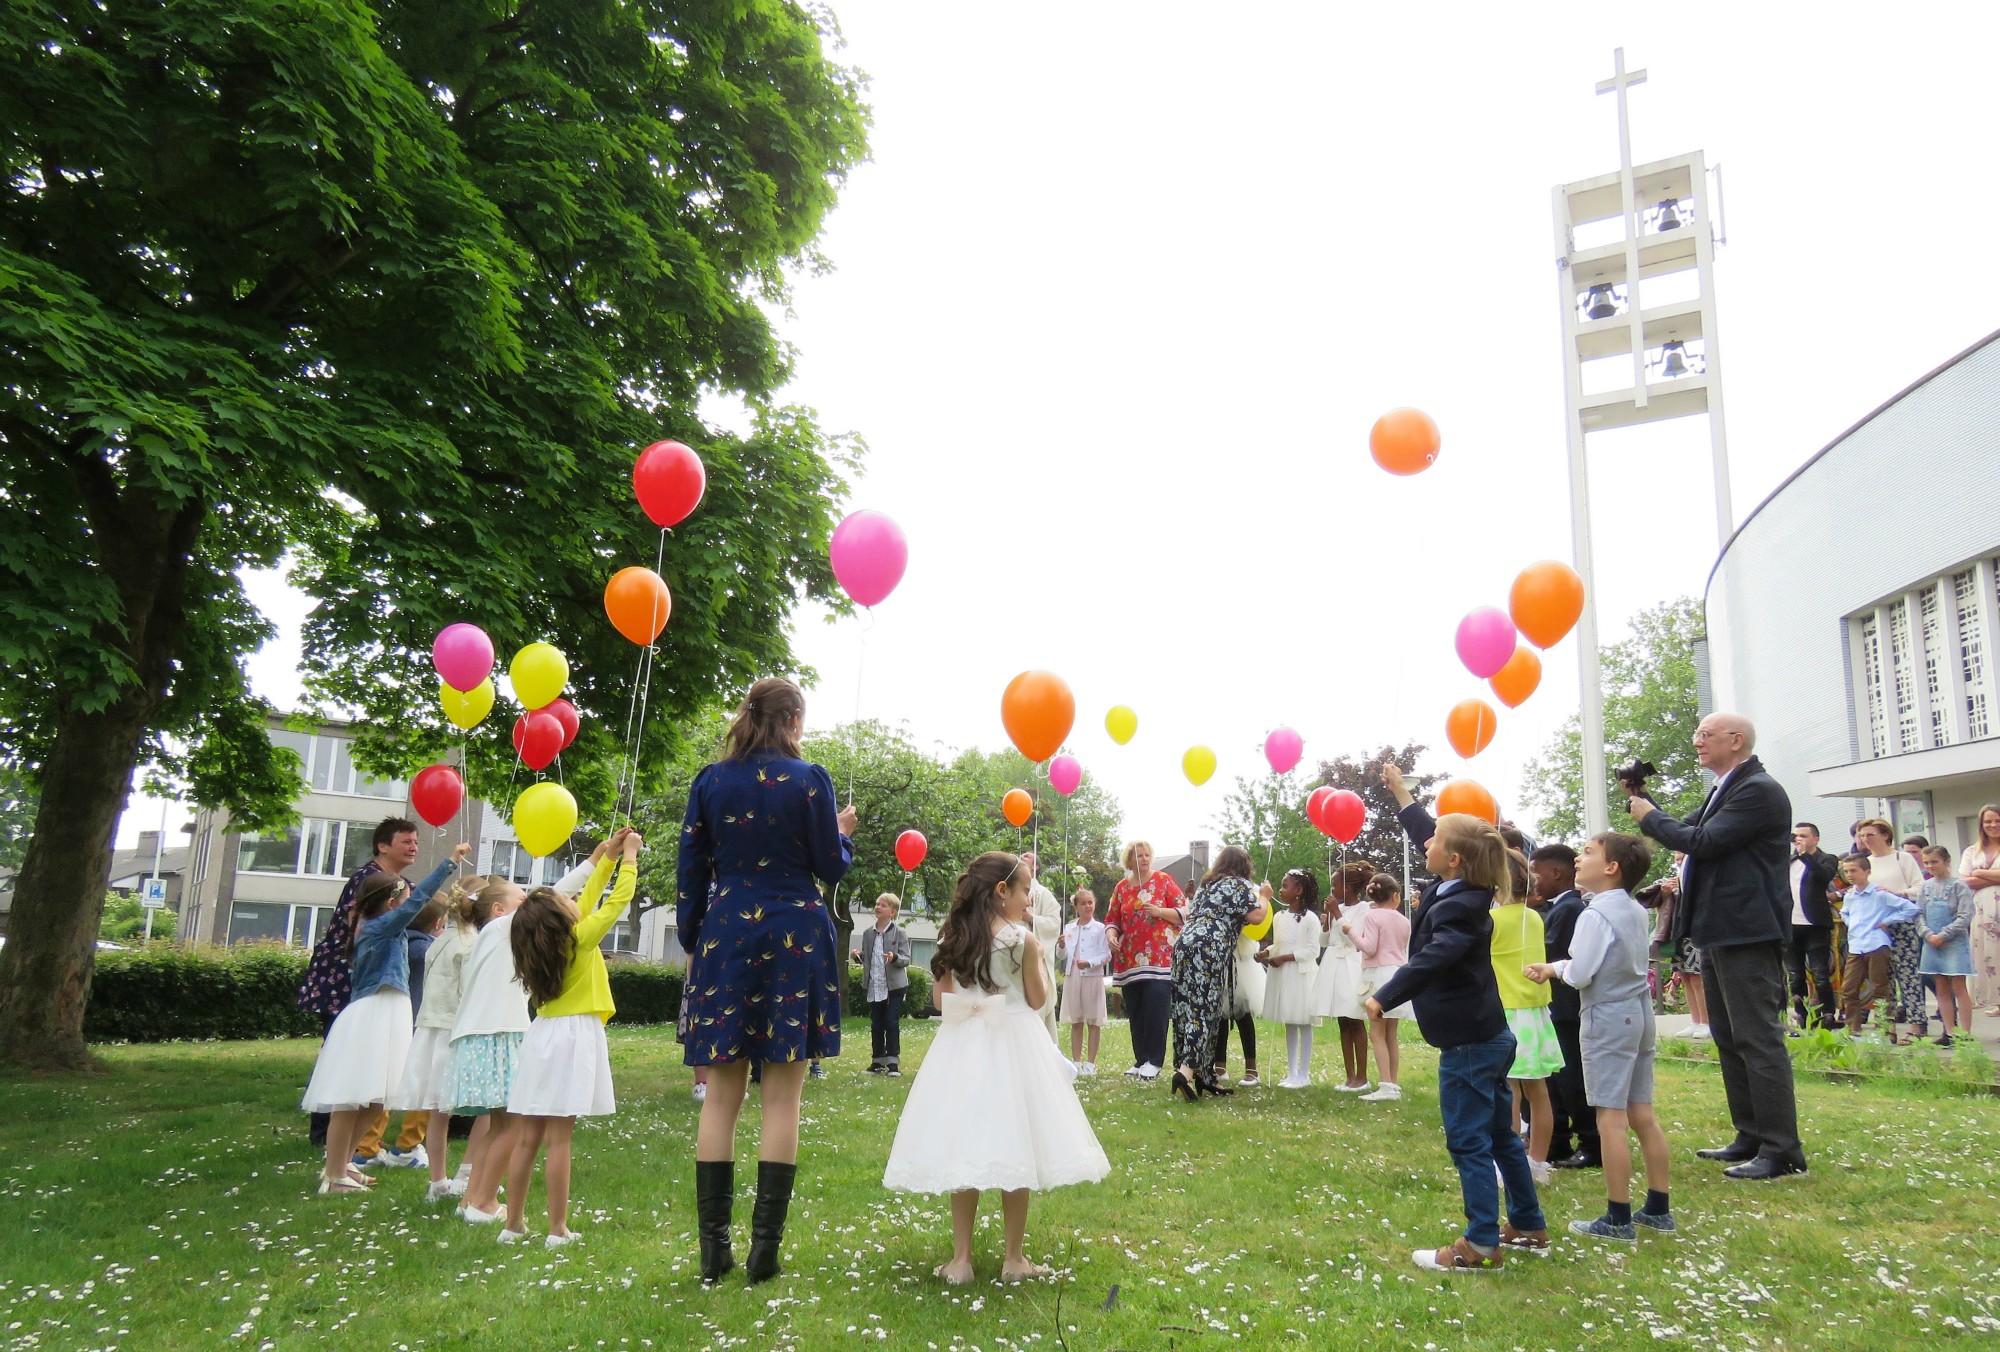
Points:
(1607, 965)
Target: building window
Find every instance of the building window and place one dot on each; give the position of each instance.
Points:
(515, 864)
(619, 940)
(1931, 622)
(267, 852)
(1972, 640)
(1871, 677)
(1903, 657)
(330, 768)
(250, 921)
(307, 924)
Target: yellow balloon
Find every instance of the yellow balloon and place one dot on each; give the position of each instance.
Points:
(1262, 929)
(544, 818)
(539, 673)
(465, 708)
(1121, 723)
(1198, 764)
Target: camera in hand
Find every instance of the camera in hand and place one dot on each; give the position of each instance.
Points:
(1634, 777)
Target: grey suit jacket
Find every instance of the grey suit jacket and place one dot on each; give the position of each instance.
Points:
(896, 959)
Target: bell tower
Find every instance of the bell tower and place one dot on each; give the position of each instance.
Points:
(1635, 286)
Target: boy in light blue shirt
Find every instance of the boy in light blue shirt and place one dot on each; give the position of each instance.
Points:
(1868, 911)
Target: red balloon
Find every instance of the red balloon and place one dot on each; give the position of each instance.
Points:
(669, 481)
(436, 792)
(1316, 805)
(565, 713)
(1344, 815)
(538, 738)
(911, 847)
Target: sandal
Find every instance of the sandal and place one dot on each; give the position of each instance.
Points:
(330, 1186)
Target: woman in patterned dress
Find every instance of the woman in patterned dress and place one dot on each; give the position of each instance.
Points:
(1980, 867)
(1204, 964)
(763, 832)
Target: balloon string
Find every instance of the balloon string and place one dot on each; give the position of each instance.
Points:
(860, 672)
(648, 659)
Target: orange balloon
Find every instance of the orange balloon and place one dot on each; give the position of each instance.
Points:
(1546, 602)
(1468, 796)
(638, 603)
(1404, 441)
(1517, 680)
(1470, 726)
(1038, 710)
(1017, 807)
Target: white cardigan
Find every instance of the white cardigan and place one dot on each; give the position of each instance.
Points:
(491, 997)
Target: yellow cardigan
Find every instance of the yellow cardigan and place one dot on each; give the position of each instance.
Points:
(586, 989)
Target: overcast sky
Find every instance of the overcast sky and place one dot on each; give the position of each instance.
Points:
(1123, 289)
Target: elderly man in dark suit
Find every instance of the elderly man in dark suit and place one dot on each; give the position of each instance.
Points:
(1737, 907)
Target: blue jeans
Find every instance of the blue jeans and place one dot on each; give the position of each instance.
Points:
(1479, 1133)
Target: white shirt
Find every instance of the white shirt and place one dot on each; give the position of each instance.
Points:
(1798, 906)
(1086, 943)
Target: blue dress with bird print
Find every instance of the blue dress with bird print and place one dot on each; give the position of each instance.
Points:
(763, 979)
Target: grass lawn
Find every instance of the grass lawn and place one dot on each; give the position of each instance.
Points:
(164, 1203)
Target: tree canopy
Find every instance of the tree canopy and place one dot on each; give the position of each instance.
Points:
(394, 291)
(1650, 711)
(1267, 816)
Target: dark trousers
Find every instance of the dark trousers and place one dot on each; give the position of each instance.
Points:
(885, 1028)
(1573, 1116)
(1811, 954)
(1246, 1028)
(1149, 1007)
(1745, 985)
(1478, 1118)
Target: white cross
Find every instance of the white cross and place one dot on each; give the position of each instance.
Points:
(1620, 81)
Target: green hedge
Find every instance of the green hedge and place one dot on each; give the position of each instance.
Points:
(166, 993)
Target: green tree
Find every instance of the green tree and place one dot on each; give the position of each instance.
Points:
(394, 290)
(1267, 815)
(124, 920)
(1650, 710)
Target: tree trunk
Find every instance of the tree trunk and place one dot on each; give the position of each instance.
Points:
(145, 547)
(51, 947)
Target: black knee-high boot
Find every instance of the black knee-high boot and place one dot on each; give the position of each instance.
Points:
(767, 1218)
(714, 1198)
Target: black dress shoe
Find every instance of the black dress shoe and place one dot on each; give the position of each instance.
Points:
(1582, 1159)
(1729, 1154)
(1764, 1168)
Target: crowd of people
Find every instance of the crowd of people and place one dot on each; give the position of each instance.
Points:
(1529, 969)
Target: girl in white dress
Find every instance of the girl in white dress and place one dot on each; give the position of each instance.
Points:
(1293, 959)
(1339, 984)
(992, 1105)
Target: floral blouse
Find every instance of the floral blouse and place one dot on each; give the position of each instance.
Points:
(1144, 948)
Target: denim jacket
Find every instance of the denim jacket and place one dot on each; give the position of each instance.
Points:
(381, 958)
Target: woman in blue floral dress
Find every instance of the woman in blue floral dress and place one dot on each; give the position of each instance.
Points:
(1205, 965)
(763, 831)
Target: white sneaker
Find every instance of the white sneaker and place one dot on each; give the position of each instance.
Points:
(416, 1157)
(558, 1241)
(474, 1216)
(1149, 1071)
(700, 1096)
(1386, 1092)
(512, 1236)
(443, 1188)
(1090, 1070)
(1699, 1032)
(1542, 1170)
(1351, 1088)
(1133, 1073)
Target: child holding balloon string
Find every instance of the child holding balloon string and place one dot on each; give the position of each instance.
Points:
(1382, 933)
(1337, 987)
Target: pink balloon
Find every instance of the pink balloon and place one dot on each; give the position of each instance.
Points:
(1065, 773)
(463, 656)
(1283, 749)
(1486, 640)
(869, 555)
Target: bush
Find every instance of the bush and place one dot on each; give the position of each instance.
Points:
(166, 993)
(645, 992)
(915, 1004)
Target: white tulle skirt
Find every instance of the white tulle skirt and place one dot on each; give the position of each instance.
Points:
(425, 1070)
(992, 1107)
(1337, 988)
(361, 1062)
(1251, 979)
(1293, 994)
